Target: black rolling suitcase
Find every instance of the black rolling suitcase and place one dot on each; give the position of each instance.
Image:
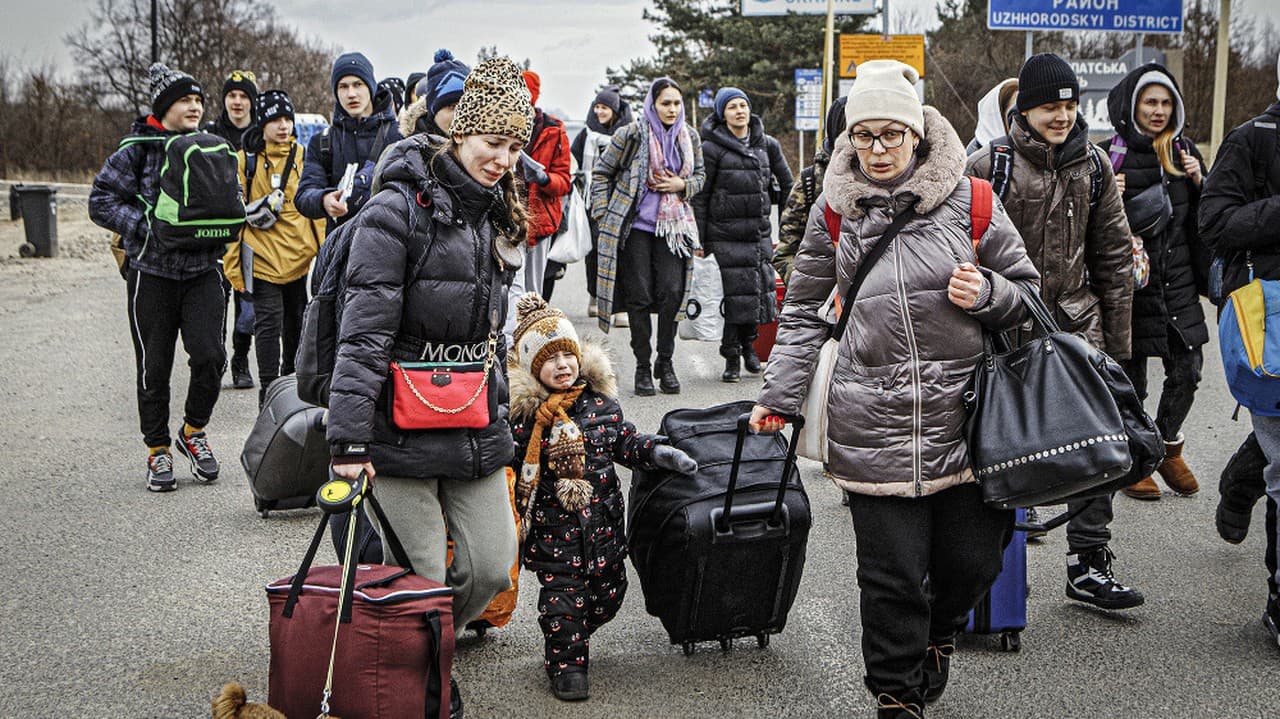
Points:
(720, 553)
(286, 456)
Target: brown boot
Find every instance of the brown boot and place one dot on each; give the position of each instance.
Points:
(1175, 472)
(1143, 489)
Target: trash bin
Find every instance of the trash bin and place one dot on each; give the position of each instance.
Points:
(39, 219)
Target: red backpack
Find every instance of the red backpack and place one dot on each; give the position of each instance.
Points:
(979, 218)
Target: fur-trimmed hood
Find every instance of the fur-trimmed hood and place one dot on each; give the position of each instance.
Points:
(415, 120)
(527, 393)
(933, 180)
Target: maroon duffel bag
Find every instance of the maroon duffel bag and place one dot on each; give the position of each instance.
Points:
(394, 646)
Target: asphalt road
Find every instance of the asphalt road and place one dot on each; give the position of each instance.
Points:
(124, 603)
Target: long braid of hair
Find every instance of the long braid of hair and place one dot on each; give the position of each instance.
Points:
(518, 213)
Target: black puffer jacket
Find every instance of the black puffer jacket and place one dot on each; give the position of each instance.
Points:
(388, 316)
(224, 128)
(1239, 215)
(351, 140)
(1169, 306)
(733, 215)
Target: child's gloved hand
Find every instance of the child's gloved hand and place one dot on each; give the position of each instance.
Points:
(674, 459)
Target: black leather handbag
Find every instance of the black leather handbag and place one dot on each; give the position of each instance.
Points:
(1044, 426)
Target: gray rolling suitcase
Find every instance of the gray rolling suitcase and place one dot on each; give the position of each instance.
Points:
(286, 456)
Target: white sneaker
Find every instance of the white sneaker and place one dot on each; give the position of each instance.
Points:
(592, 309)
(620, 320)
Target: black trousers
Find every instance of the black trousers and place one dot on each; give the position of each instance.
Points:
(591, 261)
(954, 539)
(1182, 370)
(161, 310)
(650, 280)
(737, 339)
(277, 325)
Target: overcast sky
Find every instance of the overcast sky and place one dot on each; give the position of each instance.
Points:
(570, 42)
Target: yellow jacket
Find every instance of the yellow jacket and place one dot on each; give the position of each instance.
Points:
(284, 252)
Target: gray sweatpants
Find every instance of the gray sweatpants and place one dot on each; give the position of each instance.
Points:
(480, 523)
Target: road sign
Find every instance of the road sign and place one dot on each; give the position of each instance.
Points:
(1097, 77)
(806, 7)
(856, 49)
(706, 98)
(1145, 16)
(808, 98)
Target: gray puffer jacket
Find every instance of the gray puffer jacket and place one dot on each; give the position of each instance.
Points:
(400, 307)
(895, 405)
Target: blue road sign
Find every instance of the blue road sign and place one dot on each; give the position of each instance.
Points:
(808, 98)
(1145, 16)
(706, 98)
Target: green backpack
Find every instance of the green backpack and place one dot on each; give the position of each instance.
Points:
(200, 206)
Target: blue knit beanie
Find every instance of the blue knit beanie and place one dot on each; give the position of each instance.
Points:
(353, 63)
(725, 95)
(443, 83)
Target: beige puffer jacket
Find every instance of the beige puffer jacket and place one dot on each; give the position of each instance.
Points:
(1083, 253)
(896, 403)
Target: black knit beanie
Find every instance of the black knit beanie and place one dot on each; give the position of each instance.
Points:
(169, 86)
(1046, 78)
(272, 104)
(242, 80)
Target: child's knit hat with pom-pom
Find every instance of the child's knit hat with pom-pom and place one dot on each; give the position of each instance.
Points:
(541, 331)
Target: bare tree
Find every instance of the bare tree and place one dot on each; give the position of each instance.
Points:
(204, 38)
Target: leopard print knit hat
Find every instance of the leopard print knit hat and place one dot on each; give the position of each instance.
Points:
(495, 100)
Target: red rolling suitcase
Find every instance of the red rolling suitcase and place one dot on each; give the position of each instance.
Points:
(766, 334)
(360, 640)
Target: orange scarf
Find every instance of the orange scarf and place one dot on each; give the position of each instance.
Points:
(566, 457)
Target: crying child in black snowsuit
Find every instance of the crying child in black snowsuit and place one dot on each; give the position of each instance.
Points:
(569, 431)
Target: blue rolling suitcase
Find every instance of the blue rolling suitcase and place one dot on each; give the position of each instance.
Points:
(1003, 610)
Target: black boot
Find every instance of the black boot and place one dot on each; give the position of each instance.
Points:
(731, 372)
(907, 705)
(1239, 488)
(937, 668)
(665, 372)
(240, 377)
(750, 362)
(571, 686)
(644, 381)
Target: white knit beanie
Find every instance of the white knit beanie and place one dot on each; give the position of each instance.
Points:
(885, 90)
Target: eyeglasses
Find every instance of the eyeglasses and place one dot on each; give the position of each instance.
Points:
(889, 139)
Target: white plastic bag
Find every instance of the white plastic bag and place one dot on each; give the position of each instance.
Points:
(575, 243)
(705, 310)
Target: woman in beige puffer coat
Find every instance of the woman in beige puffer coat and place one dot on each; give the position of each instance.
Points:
(914, 338)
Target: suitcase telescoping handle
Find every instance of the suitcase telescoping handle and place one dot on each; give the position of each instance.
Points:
(744, 427)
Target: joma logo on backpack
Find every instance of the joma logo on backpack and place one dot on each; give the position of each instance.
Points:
(212, 233)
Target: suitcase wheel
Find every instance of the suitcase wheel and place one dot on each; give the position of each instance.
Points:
(479, 626)
(264, 513)
(726, 644)
(688, 649)
(762, 640)
(1011, 641)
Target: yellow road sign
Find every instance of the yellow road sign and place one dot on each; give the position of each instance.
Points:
(855, 49)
